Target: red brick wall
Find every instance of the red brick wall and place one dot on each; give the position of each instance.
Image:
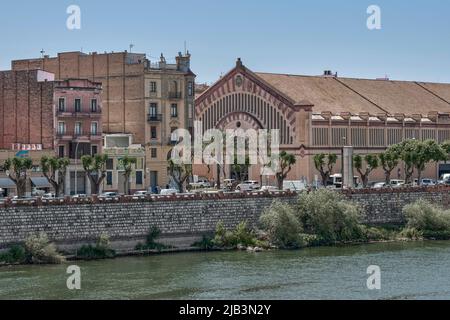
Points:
(26, 109)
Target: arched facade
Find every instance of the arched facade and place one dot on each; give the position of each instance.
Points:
(241, 99)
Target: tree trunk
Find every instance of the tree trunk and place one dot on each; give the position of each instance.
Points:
(218, 176)
(280, 181)
(387, 175)
(419, 177)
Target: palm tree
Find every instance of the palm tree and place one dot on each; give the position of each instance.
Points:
(18, 168)
(127, 164)
(54, 169)
(95, 168)
(325, 164)
(287, 160)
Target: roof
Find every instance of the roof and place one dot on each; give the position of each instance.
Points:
(337, 95)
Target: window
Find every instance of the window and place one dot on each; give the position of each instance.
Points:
(174, 110)
(153, 133)
(61, 152)
(62, 104)
(94, 105)
(153, 87)
(190, 88)
(153, 109)
(94, 150)
(154, 153)
(173, 136)
(110, 164)
(139, 178)
(109, 178)
(94, 128)
(61, 128)
(78, 130)
(77, 105)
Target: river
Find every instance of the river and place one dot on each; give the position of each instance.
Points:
(414, 270)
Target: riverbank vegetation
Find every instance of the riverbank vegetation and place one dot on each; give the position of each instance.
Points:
(427, 220)
(37, 249)
(150, 243)
(101, 250)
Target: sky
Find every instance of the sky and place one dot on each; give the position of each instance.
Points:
(282, 36)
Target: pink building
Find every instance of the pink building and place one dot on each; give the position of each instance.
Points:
(78, 127)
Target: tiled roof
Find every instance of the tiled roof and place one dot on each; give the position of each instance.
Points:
(355, 96)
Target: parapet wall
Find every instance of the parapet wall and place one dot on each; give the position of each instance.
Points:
(128, 220)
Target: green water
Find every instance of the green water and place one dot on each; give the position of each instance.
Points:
(408, 271)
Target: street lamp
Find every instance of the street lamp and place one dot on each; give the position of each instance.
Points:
(76, 167)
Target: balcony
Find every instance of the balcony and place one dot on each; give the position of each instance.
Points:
(154, 117)
(73, 114)
(175, 95)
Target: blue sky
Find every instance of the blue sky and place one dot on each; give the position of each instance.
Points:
(283, 36)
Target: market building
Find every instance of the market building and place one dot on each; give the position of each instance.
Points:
(321, 114)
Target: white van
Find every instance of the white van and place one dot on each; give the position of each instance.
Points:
(294, 185)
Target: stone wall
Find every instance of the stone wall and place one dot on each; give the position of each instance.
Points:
(181, 219)
(127, 222)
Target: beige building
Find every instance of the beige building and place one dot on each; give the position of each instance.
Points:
(142, 98)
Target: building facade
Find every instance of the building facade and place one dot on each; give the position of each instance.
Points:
(321, 114)
(117, 146)
(41, 116)
(77, 127)
(143, 98)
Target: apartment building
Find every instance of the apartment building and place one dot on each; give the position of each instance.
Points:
(144, 98)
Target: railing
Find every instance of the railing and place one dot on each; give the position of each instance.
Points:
(9, 202)
(154, 117)
(175, 95)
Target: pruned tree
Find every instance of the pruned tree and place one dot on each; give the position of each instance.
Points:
(365, 165)
(426, 152)
(287, 160)
(127, 164)
(325, 165)
(54, 169)
(95, 168)
(389, 160)
(180, 173)
(18, 172)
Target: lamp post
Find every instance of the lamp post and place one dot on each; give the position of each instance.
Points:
(76, 167)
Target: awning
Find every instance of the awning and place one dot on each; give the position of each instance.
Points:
(7, 183)
(41, 182)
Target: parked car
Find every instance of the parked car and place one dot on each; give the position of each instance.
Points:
(425, 182)
(248, 185)
(395, 183)
(108, 195)
(166, 192)
(79, 196)
(379, 185)
(49, 196)
(140, 194)
(269, 188)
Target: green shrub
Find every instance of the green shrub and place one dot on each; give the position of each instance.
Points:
(411, 233)
(242, 235)
(425, 216)
(101, 250)
(379, 234)
(39, 250)
(16, 254)
(328, 215)
(206, 243)
(151, 244)
(282, 226)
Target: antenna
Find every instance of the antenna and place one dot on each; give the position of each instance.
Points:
(42, 53)
(185, 48)
(131, 47)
